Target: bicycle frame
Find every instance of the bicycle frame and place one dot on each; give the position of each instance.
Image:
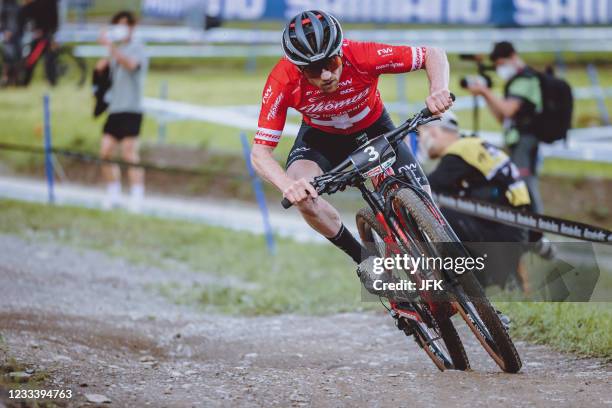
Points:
(380, 200)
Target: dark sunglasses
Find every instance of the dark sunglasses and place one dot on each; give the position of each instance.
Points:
(315, 69)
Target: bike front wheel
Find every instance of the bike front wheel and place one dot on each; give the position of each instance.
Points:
(436, 336)
(471, 301)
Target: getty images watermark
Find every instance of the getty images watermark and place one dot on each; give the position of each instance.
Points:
(410, 265)
(509, 271)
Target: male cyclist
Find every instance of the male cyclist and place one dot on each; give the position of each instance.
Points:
(333, 82)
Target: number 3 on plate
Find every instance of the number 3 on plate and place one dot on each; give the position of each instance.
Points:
(371, 151)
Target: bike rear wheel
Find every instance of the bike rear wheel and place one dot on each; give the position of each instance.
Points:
(438, 338)
(70, 67)
(473, 305)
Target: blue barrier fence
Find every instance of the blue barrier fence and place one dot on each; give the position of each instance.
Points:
(259, 194)
(48, 148)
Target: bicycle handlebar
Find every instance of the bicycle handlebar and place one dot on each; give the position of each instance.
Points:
(415, 121)
(286, 203)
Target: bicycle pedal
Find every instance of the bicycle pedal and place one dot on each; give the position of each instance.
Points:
(405, 326)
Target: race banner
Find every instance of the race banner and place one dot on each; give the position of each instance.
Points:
(529, 220)
(510, 13)
(170, 9)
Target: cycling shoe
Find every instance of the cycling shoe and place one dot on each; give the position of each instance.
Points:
(375, 282)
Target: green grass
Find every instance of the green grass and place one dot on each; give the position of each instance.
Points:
(301, 278)
(581, 328)
(577, 169)
(203, 82)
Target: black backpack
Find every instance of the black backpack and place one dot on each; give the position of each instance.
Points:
(555, 120)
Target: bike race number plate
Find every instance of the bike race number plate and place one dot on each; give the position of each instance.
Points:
(374, 157)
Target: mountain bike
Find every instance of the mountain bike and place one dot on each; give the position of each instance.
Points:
(60, 63)
(402, 218)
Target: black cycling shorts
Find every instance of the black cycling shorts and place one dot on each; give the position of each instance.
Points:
(328, 150)
(121, 125)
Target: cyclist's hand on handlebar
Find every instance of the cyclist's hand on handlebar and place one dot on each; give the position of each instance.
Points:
(299, 190)
(439, 101)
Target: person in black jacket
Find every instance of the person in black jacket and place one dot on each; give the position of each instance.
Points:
(43, 18)
(11, 39)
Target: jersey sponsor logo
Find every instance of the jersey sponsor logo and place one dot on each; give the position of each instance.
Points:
(347, 91)
(384, 51)
(299, 150)
(316, 98)
(418, 57)
(267, 95)
(334, 105)
(343, 121)
(392, 65)
(274, 109)
(268, 137)
(346, 82)
(318, 94)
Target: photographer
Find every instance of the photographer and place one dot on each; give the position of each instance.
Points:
(471, 167)
(517, 111)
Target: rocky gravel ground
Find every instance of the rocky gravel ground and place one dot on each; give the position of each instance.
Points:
(78, 320)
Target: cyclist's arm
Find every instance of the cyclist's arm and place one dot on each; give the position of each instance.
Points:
(379, 59)
(438, 73)
(272, 117)
(268, 168)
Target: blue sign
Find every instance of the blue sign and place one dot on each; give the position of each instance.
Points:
(460, 12)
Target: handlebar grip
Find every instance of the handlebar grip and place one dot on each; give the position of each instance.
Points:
(286, 203)
(426, 113)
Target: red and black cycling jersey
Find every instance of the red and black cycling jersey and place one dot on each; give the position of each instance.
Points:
(354, 106)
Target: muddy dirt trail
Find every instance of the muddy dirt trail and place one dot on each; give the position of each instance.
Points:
(93, 324)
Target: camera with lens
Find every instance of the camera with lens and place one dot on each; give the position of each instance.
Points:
(482, 78)
(470, 80)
